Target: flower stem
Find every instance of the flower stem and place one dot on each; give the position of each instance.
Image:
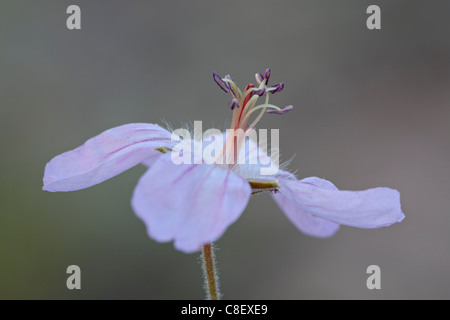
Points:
(210, 273)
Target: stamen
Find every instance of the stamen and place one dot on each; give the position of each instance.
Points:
(234, 103)
(222, 84)
(248, 93)
(260, 92)
(280, 111)
(245, 101)
(235, 91)
(248, 110)
(267, 75)
(276, 88)
(259, 78)
(264, 107)
(261, 106)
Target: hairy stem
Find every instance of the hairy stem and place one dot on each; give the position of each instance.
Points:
(210, 273)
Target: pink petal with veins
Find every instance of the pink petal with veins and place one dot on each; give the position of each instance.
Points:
(303, 200)
(104, 156)
(191, 204)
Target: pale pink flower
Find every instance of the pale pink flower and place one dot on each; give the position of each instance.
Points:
(193, 204)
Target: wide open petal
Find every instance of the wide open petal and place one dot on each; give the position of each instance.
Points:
(192, 204)
(372, 208)
(104, 156)
(304, 221)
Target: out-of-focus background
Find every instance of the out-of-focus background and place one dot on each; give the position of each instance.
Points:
(371, 108)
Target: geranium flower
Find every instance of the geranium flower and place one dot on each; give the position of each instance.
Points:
(193, 204)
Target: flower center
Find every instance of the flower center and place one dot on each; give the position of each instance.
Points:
(244, 104)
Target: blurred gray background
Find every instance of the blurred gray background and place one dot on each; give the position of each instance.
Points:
(372, 108)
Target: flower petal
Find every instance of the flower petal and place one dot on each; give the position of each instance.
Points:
(304, 221)
(192, 204)
(372, 208)
(255, 163)
(104, 156)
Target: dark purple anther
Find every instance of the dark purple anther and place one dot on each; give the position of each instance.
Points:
(222, 84)
(277, 88)
(259, 78)
(234, 103)
(267, 75)
(281, 111)
(260, 92)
